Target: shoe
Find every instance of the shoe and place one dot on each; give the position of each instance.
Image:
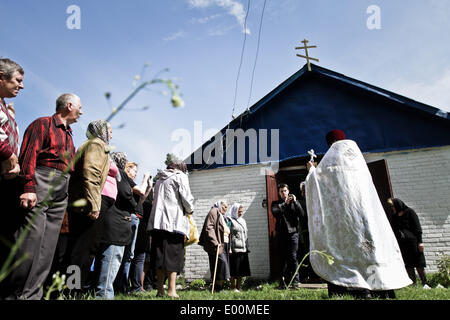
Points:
(236, 290)
(136, 292)
(217, 288)
(149, 287)
(296, 285)
(426, 287)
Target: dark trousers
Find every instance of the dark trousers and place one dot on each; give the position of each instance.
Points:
(27, 279)
(59, 263)
(223, 264)
(10, 191)
(84, 241)
(137, 271)
(288, 248)
(138, 262)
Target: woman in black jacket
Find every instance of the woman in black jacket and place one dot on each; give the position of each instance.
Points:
(117, 234)
(407, 230)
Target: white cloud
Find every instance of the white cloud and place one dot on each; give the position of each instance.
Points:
(220, 31)
(441, 10)
(200, 3)
(434, 93)
(174, 35)
(205, 19)
(49, 89)
(232, 7)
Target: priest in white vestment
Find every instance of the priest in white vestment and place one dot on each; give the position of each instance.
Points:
(347, 221)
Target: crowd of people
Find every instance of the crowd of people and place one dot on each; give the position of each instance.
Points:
(82, 208)
(68, 207)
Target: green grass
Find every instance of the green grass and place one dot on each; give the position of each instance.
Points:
(269, 292)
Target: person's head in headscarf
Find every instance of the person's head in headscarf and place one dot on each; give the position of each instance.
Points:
(235, 211)
(99, 129)
(120, 158)
(222, 205)
(303, 189)
(178, 165)
(334, 135)
(131, 169)
(397, 205)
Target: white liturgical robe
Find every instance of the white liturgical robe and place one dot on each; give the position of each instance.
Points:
(347, 221)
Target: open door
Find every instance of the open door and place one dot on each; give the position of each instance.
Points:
(272, 195)
(381, 179)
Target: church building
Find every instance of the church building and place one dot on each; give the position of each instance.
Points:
(406, 145)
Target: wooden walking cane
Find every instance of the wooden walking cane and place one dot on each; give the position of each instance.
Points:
(215, 268)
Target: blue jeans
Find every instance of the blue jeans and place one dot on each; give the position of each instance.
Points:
(111, 258)
(121, 283)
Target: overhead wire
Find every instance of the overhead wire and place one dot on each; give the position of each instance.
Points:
(257, 52)
(242, 58)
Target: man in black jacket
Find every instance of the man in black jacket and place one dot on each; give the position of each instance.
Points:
(287, 212)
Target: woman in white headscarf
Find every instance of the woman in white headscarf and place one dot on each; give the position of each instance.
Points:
(239, 264)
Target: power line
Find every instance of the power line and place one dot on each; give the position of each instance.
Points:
(257, 52)
(242, 57)
(239, 70)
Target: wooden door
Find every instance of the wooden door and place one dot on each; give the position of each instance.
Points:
(381, 179)
(274, 253)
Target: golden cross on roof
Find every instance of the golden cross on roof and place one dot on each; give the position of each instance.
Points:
(307, 57)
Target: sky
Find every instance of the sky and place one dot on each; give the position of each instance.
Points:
(403, 46)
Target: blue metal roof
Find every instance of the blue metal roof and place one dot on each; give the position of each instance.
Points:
(310, 103)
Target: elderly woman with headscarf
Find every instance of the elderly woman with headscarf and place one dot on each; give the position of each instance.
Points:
(214, 238)
(92, 191)
(169, 224)
(407, 230)
(239, 264)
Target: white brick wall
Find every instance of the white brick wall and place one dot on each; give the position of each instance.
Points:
(242, 184)
(421, 178)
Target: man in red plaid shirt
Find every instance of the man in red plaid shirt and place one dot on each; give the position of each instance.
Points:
(45, 159)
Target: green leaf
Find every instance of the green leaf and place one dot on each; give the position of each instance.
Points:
(177, 101)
